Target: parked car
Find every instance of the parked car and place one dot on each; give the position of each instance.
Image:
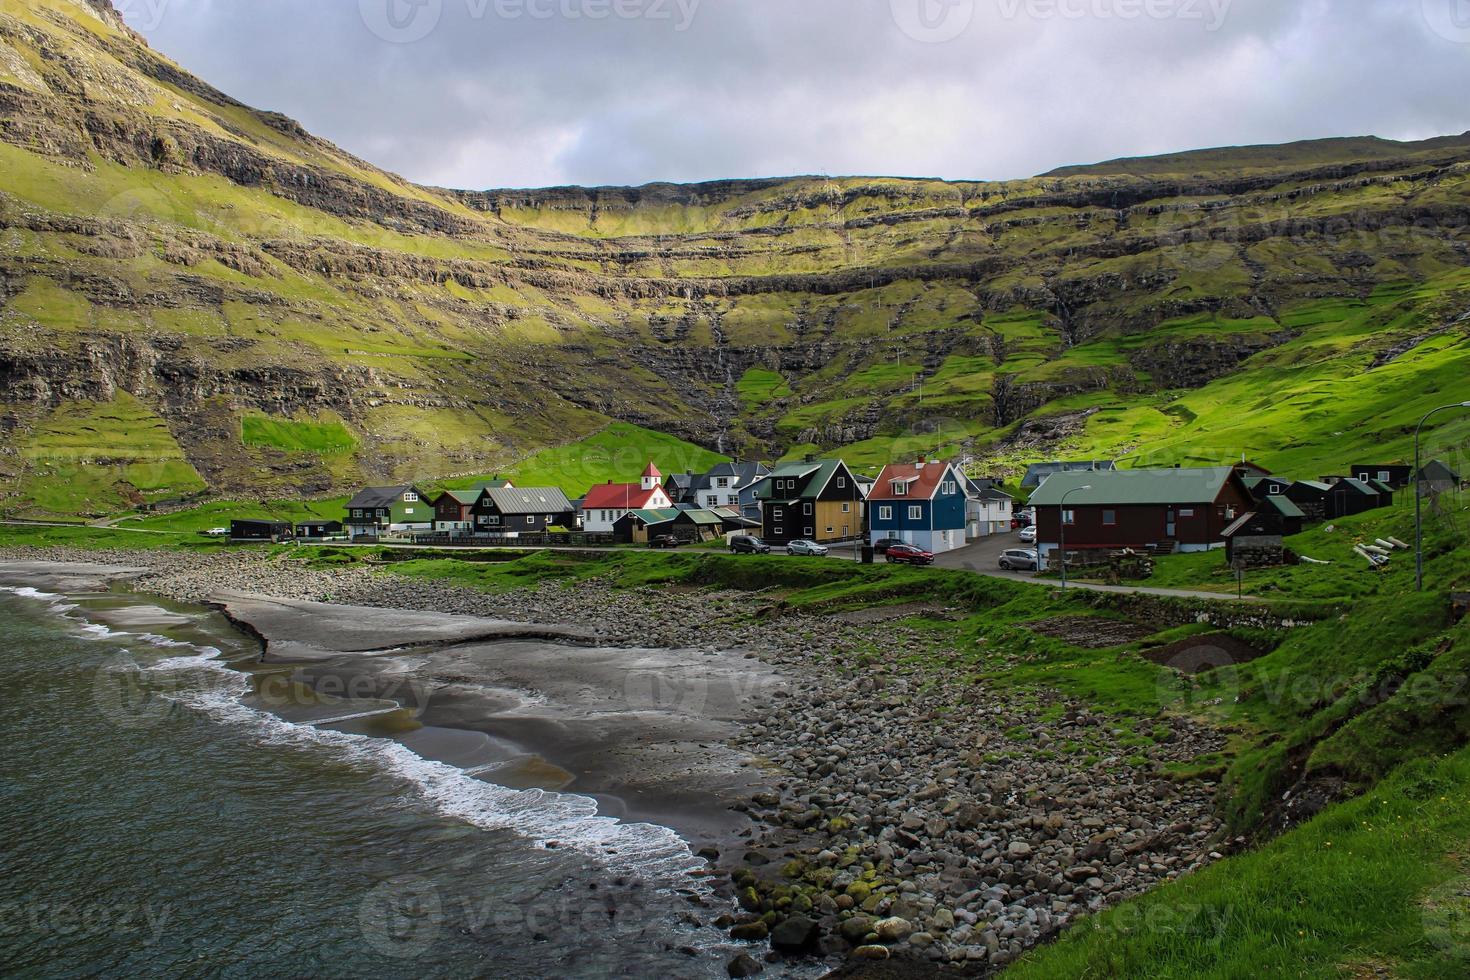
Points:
(882, 545)
(1019, 560)
(748, 544)
(218, 532)
(664, 541)
(907, 554)
(1028, 534)
(801, 546)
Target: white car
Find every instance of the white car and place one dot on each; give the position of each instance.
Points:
(218, 532)
(801, 546)
(1028, 534)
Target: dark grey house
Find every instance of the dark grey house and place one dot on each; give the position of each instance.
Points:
(522, 510)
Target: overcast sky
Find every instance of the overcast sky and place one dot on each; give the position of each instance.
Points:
(515, 93)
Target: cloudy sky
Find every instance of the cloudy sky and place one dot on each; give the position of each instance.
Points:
(514, 93)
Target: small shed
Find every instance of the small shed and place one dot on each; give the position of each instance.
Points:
(697, 525)
(320, 529)
(1437, 477)
(261, 531)
(1255, 541)
(1291, 516)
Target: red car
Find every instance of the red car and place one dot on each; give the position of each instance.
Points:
(907, 554)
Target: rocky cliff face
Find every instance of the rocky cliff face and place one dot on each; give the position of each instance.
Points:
(159, 239)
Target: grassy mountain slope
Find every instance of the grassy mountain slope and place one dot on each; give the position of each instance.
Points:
(299, 320)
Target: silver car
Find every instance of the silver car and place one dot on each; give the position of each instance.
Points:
(1019, 560)
(801, 546)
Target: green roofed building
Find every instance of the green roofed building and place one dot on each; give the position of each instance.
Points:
(1164, 509)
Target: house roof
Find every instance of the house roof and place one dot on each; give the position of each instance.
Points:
(1165, 486)
(1313, 484)
(740, 474)
(815, 474)
(377, 497)
(985, 489)
(921, 479)
(702, 516)
(465, 497)
(1037, 473)
(530, 500)
(1239, 523)
(1437, 469)
(618, 496)
(1283, 506)
(1360, 487)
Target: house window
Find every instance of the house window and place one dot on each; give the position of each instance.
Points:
(1274, 489)
(806, 508)
(732, 499)
(1069, 517)
(829, 530)
(1186, 512)
(810, 531)
(778, 513)
(1110, 517)
(1230, 513)
(841, 484)
(947, 487)
(410, 498)
(722, 484)
(846, 508)
(885, 513)
(900, 489)
(357, 513)
(530, 518)
(1383, 475)
(916, 513)
(408, 510)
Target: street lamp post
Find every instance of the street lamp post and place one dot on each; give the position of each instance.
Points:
(1062, 528)
(1419, 496)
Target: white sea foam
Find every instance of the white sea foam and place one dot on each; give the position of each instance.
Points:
(563, 820)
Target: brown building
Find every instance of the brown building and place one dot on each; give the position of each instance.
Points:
(1172, 509)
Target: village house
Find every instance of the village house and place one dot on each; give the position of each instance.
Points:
(1161, 509)
(1282, 509)
(1436, 476)
(923, 504)
(1395, 475)
(1346, 496)
(988, 508)
(454, 511)
(373, 511)
(724, 484)
(248, 531)
(1262, 487)
(521, 510)
(319, 529)
(1311, 497)
(637, 526)
(606, 503)
(817, 500)
(1255, 540)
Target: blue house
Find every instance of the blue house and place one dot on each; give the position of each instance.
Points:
(922, 504)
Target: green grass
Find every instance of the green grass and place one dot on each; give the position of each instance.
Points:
(618, 453)
(1376, 882)
(328, 438)
(759, 386)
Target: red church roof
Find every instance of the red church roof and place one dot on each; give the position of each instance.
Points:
(652, 470)
(618, 496)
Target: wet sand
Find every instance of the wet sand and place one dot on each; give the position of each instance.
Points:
(642, 731)
(55, 576)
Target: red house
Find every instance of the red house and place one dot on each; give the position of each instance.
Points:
(1178, 509)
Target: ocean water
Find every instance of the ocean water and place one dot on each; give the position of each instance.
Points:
(161, 816)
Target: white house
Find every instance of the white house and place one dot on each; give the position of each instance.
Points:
(988, 509)
(729, 485)
(606, 503)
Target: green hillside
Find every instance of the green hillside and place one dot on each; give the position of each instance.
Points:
(298, 321)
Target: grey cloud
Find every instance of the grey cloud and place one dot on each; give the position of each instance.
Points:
(774, 87)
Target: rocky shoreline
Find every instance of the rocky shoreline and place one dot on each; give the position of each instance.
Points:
(939, 823)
